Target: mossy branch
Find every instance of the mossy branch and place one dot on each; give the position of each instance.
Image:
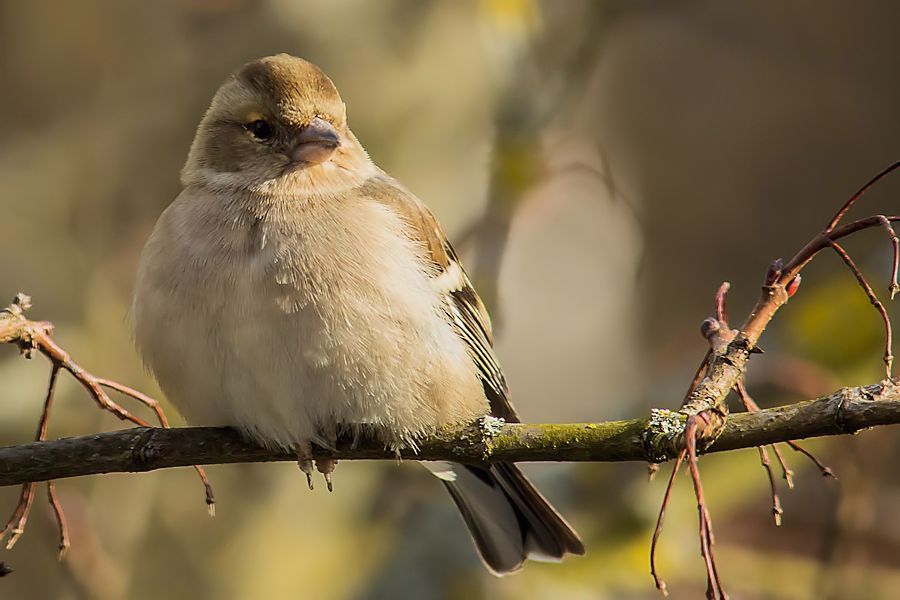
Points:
(653, 439)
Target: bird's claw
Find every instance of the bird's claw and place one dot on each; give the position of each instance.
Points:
(326, 466)
(305, 463)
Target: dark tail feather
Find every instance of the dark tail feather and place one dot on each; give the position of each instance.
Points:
(508, 518)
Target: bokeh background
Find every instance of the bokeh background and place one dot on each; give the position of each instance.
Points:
(601, 166)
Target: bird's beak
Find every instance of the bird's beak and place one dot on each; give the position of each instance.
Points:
(316, 142)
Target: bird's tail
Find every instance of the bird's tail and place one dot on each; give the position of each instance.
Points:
(509, 520)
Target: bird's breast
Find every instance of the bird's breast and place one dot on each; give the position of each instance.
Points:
(309, 315)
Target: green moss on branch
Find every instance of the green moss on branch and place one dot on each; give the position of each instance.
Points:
(653, 439)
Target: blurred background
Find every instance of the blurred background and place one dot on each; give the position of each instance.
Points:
(601, 167)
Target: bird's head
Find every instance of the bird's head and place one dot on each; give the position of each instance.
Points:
(277, 126)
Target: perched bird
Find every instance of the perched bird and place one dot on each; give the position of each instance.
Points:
(293, 287)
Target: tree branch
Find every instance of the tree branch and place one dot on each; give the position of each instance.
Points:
(702, 424)
(654, 439)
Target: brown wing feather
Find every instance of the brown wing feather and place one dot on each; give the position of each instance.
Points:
(489, 499)
(465, 309)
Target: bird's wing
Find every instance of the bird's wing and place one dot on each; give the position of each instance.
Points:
(465, 309)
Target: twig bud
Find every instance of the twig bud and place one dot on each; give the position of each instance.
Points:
(709, 327)
(22, 300)
(792, 287)
(774, 271)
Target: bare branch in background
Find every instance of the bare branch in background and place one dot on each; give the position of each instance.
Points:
(548, 80)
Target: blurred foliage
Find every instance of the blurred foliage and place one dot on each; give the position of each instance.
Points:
(602, 166)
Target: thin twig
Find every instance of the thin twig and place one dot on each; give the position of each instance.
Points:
(44, 421)
(16, 524)
(724, 365)
(786, 472)
(35, 335)
(146, 400)
(893, 287)
(714, 588)
(870, 293)
(61, 358)
(722, 302)
(657, 531)
(698, 376)
(153, 404)
(774, 296)
(824, 469)
(843, 210)
(60, 518)
(777, 511)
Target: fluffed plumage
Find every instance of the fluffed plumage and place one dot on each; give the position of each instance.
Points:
(294, 287)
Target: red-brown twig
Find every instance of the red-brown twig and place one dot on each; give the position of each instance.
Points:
(722, 302)
(843, 210)
(154, 405)
(719, 335)
(660, 584)
(16, 524)
(140, 397)
(698, 375)
(722, 368)
(777, 510)
(847, 205)
(823, 468)
(61, 525)
(786, 472)
(42, 341)
(752, 406)
(893, 287)
(32, 335)
(870, 293)
(714, 588)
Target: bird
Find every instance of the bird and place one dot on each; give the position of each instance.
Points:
(293, 289)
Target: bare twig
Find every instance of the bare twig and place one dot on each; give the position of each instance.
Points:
(16, 525)
(777, 511)
(698, 376)
(660, 584)
(870, 293)
(29, 335)
(60, 517)
(786, 472)
(722, 302)
(893, 287)
(163, 422)
(823, 469)
(140, 397)
(704, 409)
(847, 205)
(752, 406)
(707, 538)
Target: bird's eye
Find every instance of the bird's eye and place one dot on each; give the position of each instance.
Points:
(259, 129)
